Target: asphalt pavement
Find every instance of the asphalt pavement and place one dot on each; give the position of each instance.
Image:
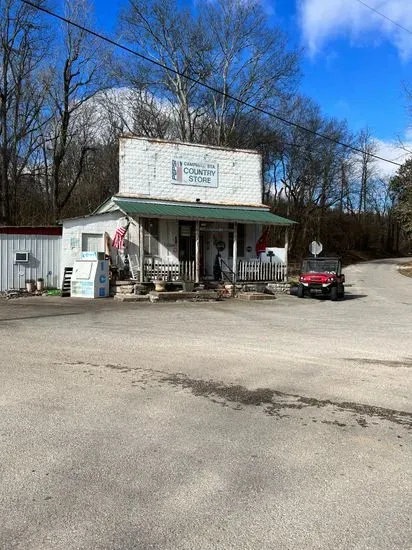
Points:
(282, 424)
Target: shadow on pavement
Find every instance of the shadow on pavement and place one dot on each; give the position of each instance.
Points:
(354, 296)
(345, 299)
(41, 316)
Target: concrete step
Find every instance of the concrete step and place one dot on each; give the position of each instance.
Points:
(181, 295)
(131, 298)
(249, 296)
(178, 296)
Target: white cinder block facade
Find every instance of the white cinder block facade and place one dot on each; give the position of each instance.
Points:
(189, 172)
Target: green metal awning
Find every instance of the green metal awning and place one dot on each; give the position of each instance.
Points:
(204, 213)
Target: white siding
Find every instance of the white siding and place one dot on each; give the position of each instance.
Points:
(146, 170)
(44, 260)
(74, 229)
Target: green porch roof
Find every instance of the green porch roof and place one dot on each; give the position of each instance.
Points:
(205, 213)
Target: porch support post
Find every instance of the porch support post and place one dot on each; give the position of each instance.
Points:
(197, 252)
(141, 251)
(285, 275)
(234, 266)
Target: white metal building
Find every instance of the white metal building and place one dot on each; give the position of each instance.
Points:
(30, 253)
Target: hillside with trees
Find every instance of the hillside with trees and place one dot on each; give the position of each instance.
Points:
(66, 97)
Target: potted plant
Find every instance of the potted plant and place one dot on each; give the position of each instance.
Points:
(160, 285)
(29, 285)
(40, 284)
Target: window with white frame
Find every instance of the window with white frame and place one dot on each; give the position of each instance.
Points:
(92, 242)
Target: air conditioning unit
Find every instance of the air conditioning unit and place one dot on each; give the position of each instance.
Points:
(21, 257)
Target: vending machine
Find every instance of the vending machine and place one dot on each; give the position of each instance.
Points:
(90, 278)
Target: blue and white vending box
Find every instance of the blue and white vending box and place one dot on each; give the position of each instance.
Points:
(90, 278)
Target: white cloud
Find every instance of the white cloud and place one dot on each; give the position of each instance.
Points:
(323, 20)
(394, 151)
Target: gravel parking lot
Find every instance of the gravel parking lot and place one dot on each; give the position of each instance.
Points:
(282, 424)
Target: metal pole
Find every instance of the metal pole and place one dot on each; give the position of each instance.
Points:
(197, 252)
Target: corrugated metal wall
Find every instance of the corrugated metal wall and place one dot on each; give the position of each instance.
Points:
(44, 260)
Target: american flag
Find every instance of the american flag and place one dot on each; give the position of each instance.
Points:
(119, 236)
(262, 242)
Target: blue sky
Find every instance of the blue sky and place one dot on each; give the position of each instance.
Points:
(354, 62)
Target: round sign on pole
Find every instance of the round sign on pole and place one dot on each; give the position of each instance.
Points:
(315, 247)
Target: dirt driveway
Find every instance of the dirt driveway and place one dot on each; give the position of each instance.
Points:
(281, 424)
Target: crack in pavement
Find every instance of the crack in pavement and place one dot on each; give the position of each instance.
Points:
(273, 402)
(405, 363)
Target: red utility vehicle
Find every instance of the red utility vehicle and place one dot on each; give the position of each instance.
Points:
(322, 275)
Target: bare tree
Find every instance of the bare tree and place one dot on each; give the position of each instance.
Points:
(73, 82)
(308, 175)
(367, 169)
(21, 97)
(171, 36)
(136, 111)
(228, 45)
(250, 60)
(100, 177)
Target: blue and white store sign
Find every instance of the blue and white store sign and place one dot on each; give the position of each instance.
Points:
(195, 173)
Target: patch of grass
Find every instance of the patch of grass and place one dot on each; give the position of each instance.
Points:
(53, 292)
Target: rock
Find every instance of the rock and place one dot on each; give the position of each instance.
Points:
(153, 297)
(139, 289)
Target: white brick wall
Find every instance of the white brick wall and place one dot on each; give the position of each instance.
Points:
(146, 170)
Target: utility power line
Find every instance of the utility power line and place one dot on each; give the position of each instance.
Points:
(207, 86)
(384, 16)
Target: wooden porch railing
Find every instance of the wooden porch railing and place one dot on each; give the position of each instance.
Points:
(247, 271)
(169, 271)
(254, 271)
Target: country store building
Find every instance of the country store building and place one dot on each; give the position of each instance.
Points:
(192, 213)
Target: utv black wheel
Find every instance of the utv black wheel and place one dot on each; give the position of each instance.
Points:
(341, 291)
(301, 291)
(334, 293)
